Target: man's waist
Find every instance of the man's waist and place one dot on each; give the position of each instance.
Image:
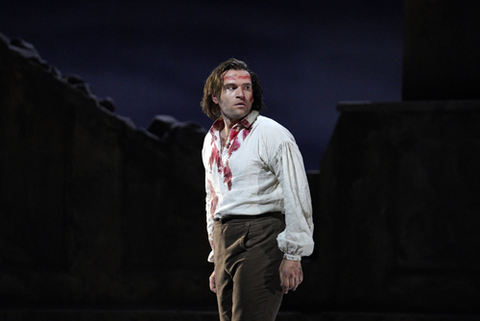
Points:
(229, 217)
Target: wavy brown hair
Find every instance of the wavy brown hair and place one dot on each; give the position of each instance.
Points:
(214, 84)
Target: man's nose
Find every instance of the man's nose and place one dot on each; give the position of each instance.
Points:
(240, 92)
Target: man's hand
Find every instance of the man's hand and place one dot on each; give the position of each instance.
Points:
(291, 275)
(213, 283)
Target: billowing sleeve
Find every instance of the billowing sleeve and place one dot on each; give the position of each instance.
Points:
(297, 238)
(208, 198)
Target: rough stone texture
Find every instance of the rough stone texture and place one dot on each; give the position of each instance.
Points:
(440, 55)
(93, 210)
(399, 202)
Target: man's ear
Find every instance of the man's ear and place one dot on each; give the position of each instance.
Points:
(214, 98)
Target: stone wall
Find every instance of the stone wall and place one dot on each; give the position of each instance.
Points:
(92, 209)
(400, 209)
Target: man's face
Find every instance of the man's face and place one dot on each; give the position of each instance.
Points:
(236, 98)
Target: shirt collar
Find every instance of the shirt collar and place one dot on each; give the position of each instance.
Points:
(246, 122)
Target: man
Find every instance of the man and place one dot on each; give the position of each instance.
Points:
(259, 215)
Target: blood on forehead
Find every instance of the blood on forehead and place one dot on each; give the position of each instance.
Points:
(235, 76)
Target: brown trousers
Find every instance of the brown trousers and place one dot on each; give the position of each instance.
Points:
(247, 260)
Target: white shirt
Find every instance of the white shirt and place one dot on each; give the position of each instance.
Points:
(259, 170)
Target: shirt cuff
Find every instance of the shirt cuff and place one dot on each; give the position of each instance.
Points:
(292, 257)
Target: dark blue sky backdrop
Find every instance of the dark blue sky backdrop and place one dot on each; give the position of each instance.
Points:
(152, 57)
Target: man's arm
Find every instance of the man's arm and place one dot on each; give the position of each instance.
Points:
(296, 240)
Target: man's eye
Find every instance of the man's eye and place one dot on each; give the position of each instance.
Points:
(247, 87)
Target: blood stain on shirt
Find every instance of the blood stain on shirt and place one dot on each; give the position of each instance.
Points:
(213, 198)
(233, 145)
